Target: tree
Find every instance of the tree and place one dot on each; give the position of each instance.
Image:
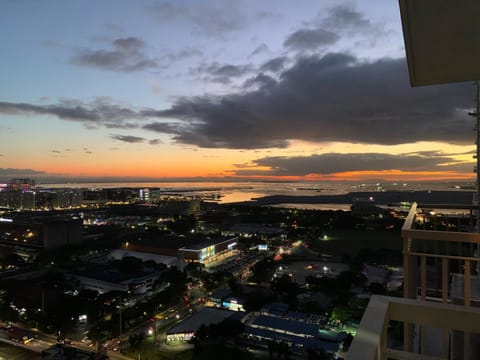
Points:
(340, 314)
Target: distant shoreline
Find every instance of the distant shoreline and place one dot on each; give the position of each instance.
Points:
(377, 198)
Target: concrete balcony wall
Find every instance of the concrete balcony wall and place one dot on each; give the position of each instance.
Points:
(370, 342)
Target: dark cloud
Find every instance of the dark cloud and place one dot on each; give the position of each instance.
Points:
(310, 39)
(221, 73)
(121, 125)
(98, 112)
(161, 127)
(259, 81)
(56, 151)
(154, 141)
(320, 99)
(11, 172)
(274, 65)
(329, 98)
(126, 55)
(128, 138)
(262, 48)
(331, 163)
(344, 17)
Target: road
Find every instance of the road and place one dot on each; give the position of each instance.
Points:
(41, 341)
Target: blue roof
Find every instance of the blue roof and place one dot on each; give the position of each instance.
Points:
(237, 316)
(296, 315)
(206, 316)
(292, 326)
(276, 308)
(307, 343)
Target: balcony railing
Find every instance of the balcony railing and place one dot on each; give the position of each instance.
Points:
(441, 249)
(371, 341)
(433, 257)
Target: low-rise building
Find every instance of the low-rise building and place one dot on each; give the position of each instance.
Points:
(185, 330)
(297, 333)
(106, 280)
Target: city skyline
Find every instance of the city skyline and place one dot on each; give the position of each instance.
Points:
(222, 89)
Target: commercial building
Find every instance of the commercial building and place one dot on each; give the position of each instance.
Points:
(217, 296)
(292, 329)
(187, 328)
(169, 261)
(208, 251)
(233, 304)
(186, 249)
(105, 280)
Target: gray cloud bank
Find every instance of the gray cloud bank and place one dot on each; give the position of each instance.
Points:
(331, 98)
(331, 163)
(11, 172)
(125, 54)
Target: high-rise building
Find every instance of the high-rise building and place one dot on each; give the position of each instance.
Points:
(21, 184)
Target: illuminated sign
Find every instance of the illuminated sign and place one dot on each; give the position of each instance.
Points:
(207, 252)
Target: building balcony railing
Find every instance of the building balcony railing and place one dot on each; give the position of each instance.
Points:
(372, 338)
(438, 315)
(441, 254)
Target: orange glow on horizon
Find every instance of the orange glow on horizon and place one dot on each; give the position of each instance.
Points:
(344, 176)
(197, 167)
(394, 175)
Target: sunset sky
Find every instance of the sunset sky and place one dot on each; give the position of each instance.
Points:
(274, 89)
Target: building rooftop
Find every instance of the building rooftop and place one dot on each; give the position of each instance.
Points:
(119, 254)
(113, 275)
(294, 327)
(275, 308)
(206, 316)
(307, 343)
(207, 243)
(62, 352)
(220, 294)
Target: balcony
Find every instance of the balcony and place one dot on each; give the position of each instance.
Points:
(371, 341)
(438, 315)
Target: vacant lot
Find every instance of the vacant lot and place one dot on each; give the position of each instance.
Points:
(341, 242)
